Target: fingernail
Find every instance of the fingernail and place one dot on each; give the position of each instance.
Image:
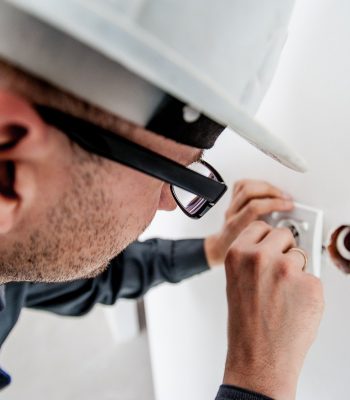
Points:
(288, 204)
(287, 196)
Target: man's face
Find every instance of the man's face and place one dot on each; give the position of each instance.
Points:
(64, 213)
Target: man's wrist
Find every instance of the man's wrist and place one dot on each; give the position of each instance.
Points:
(213, 251)
(231, 392)
(275, 385)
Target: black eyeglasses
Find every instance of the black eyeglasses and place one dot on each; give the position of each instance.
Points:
(196, 189)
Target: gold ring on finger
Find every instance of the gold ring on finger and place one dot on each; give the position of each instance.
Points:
(302, 252)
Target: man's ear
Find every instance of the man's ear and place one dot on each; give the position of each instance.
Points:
(22, 141)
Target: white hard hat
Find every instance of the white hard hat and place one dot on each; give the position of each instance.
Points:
(124, 55)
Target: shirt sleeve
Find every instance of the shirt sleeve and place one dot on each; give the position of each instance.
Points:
(234, 393)
(141, 266)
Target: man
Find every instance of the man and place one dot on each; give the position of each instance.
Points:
(80, 181)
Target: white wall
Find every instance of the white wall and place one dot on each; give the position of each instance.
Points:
(65, 358)
(309, 105)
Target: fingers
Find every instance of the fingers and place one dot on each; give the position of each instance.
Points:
(253, 234)
(280, 239)
(251, 200)
(259, 207)
(296, 259)
(241, 184)
(264, 242)
(246, 190)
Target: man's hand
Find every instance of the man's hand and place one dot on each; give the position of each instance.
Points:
(274, 311)
(251, 200)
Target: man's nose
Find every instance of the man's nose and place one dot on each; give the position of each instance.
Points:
(166, 201)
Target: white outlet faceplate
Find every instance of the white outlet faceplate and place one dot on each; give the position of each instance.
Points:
(306, 223)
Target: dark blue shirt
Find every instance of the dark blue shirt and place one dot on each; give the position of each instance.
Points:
(4, 377)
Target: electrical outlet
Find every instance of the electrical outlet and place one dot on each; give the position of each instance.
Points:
(306, 224)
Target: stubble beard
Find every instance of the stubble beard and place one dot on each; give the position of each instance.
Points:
(78, 237)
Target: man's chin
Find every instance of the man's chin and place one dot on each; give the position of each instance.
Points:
(81, 271)
(98, 271)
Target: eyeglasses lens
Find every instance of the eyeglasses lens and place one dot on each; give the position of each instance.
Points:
(191, 202)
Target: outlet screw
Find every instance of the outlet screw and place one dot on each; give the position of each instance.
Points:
(275, 215)
(305, 226)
